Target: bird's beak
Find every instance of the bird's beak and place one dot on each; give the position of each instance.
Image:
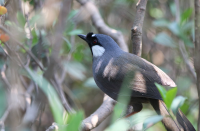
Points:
(82, 36)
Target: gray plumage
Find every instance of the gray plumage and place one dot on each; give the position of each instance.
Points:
(114, 69)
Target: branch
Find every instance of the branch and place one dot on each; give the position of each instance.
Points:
(99, 115)
(55, 59)
(100, 25)
(3, 118)
(197, 49)
(136, 31)
(62, 95)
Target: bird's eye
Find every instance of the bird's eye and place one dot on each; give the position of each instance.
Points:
(95, 41)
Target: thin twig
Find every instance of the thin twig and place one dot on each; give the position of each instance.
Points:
(186, 59)
(62, 96)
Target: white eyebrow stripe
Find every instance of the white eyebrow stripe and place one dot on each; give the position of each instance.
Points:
(93, 35)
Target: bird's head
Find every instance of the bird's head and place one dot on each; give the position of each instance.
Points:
(99, 43)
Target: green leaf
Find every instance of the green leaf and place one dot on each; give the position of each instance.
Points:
(187, 27)
(156, 13)
(21, 19)
(160, 23)
(55, 103)
(187, 41)
(177, 103)
(151, 121)
(8, 23)
(75, 32)
(186, 15)
(174, 28)
(74, 121)
(78, 53)
(3, 101)
(120, 125)
(35, 37)
(164, 39)
(162, 90)
(34, 19)
(184, 108)
(90, 83)
(67, 45)
(75, 69)
(72, 14)
(170, 95)
(173, 8)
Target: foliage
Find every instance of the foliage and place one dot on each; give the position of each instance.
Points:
(28, 22)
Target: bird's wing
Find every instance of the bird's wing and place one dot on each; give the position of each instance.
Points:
(133, 72)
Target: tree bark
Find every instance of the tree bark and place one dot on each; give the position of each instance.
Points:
(197, 49)
(136, 31)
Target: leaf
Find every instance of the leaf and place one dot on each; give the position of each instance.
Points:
(186, 15)
(177, 103)
(78, 53)
(21, 19)
(174, 28)
(187, 41)
(187, 27)
(8, 23)
(184, 108)
(34, 19)
(156, 13)
(67, 45)
(151, 121)
(121, 125)
(170, 95)
(75, 32)
(75, 69)
(55, 103)
(160, 23)
(90, 83)
(72, 14)
(164, 39)
(173, 8)
(162, 90)
(74, 121)
(3, 99)
(35, 37)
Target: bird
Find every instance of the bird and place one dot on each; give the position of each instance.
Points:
(115, 69)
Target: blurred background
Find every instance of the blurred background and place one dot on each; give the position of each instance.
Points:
(46, 70)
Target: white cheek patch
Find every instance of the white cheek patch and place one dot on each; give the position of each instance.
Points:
(93, 35)
(97, 50)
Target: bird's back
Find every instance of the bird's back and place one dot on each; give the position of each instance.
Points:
(111, 70)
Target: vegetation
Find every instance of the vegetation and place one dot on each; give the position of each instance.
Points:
(46, 78)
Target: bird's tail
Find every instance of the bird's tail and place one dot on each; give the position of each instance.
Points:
(184, 122)
(170, 124)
